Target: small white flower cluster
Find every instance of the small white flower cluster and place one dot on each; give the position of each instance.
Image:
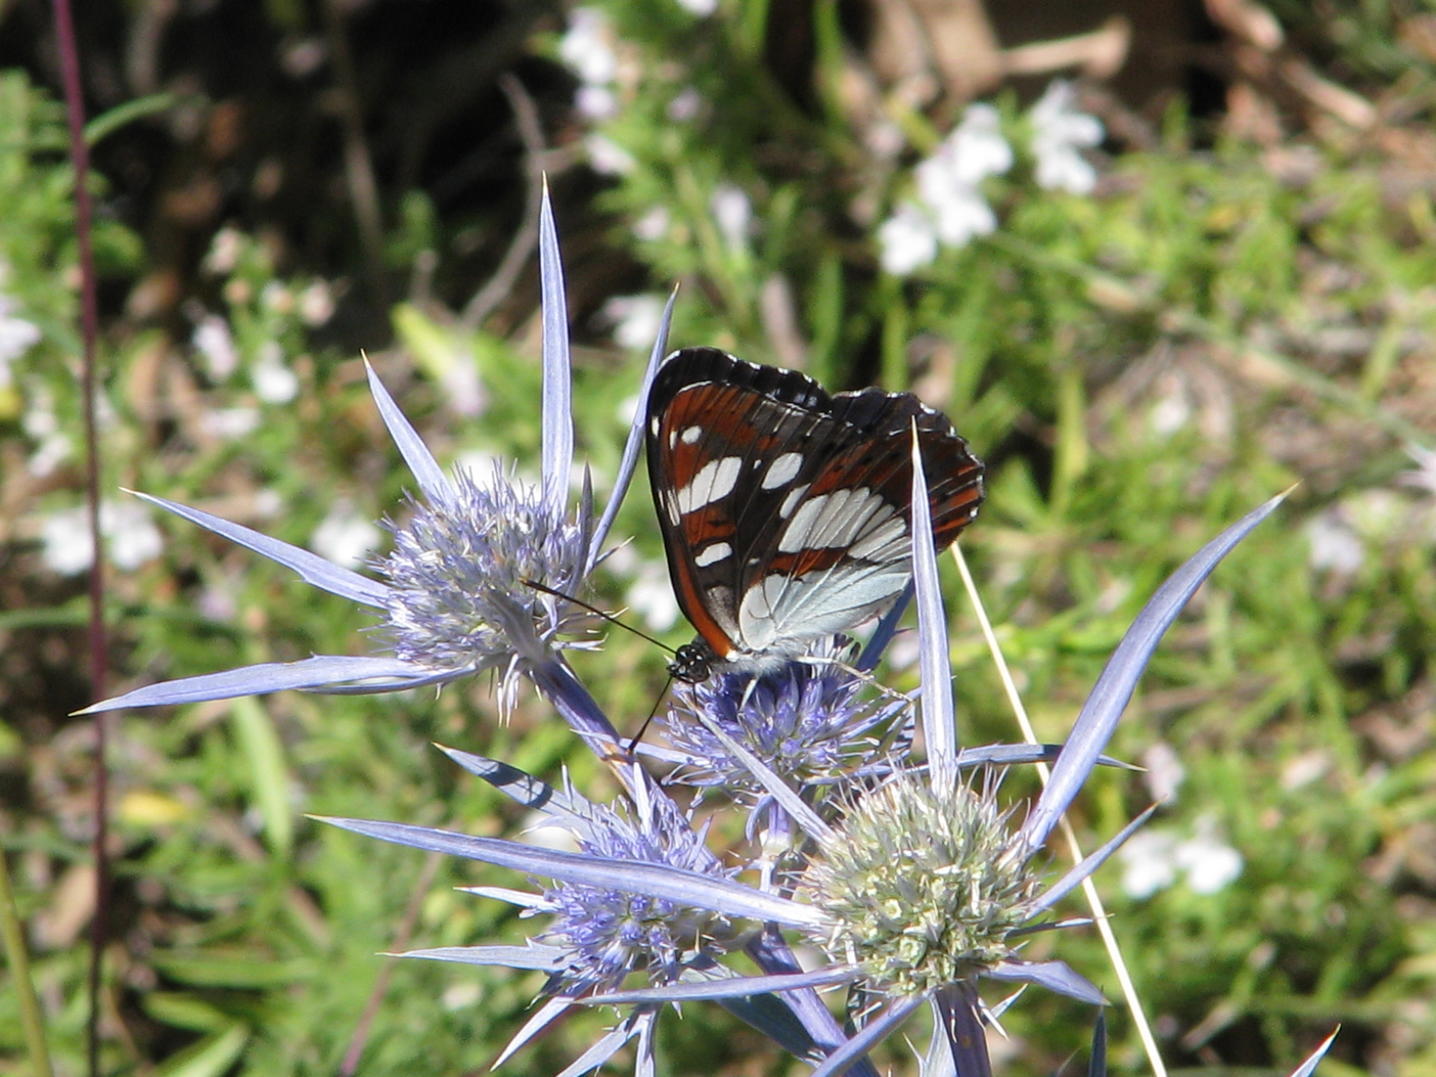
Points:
(949, 209)
(1059, 133)
(17, 336)
(635, 320)
(279, 307)
(1370, 525)
(346, 537)
(270, 374)
(1152, 860)
(587, 48)
(130, 537)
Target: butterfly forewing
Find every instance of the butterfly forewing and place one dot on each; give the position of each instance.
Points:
(786, 512)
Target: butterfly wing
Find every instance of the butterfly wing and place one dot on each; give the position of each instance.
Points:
(711, 420)
(838, 548)
(786, 512)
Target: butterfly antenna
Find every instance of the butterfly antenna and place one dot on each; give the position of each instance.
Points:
(546, 589)
(649, 720)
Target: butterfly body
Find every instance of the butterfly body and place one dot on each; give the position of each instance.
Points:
(786, 511)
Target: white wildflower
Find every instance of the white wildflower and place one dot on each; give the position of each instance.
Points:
(653, 225)
(733, 212)
(275, 296)
(1170, 412)
(651, 597)
(596, 102)
(345, 537)
(964, 216)
(950, 209)
(65, 542)
(215, 345)
(17, 336)
(232, 424)
(273, 380)
(977, 149)
(585, 47)
(635, 319)
(316, 303)
(1165, 772)
(224, 252)
(627, 409)
(1332, 544)
(907, 240)
(607, 157)
(130, 538)
(52, 451)
(1148, 863)
(686, 104)
(1059, 132)
(1209, 862)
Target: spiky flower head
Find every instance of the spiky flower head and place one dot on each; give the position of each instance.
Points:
(922, 887)
(611, 933)
(456, 601)
(458, 592)
(811, 721)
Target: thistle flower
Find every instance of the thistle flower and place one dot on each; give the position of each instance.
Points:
(811, 722)
(454, 600)
(604, 927)
(923, 888)
(614, 932)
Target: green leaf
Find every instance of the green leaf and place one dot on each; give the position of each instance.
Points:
(210, 1057)
(269, 775)
(129, 112)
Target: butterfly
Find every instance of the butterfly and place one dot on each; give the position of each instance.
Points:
(786, 512)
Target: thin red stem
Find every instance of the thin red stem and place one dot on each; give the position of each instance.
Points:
(90, 331)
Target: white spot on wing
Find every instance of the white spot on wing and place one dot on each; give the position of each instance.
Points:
(712, 554)
(794, 496)
(715, 480)
(886, 542)
(782, 470)
(834, 520)
(781, 614)
(795, 535)
(755, 615)
(837, 601)
(691, 434)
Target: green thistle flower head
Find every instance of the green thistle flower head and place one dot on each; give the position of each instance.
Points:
(922, 888)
